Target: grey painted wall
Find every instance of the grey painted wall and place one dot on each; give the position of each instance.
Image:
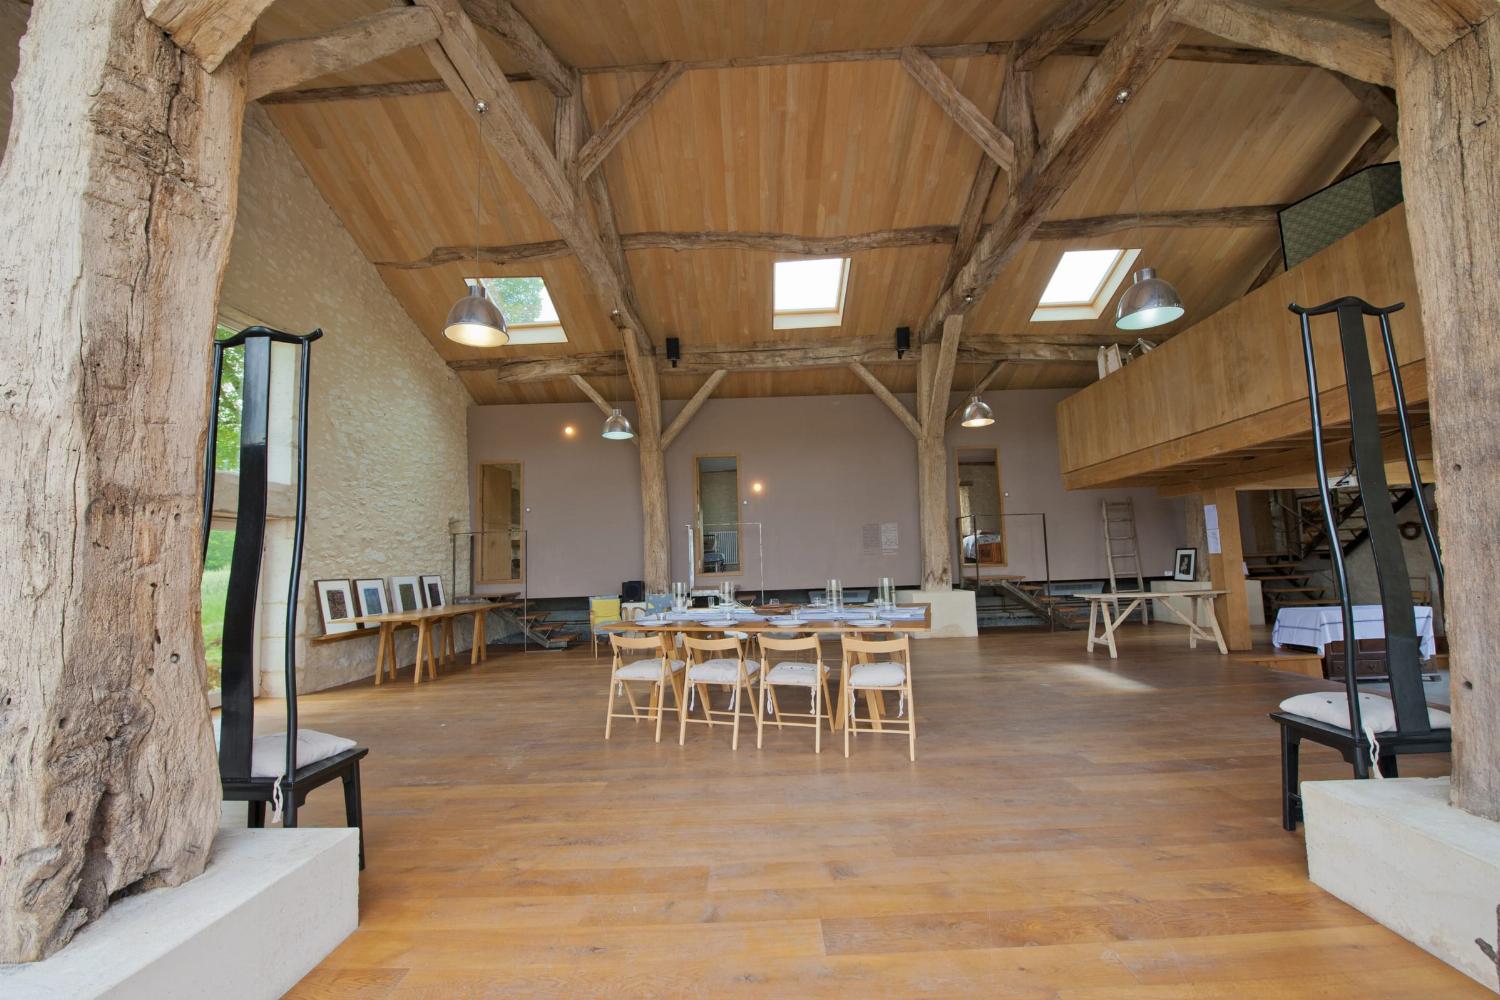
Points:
(830, 465)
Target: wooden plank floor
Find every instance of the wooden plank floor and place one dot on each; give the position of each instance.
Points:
(1073, 828)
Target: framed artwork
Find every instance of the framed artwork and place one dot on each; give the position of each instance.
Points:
(432, 591)
(370, 597)
(406, 594)
(335, 601)
(1185, 565)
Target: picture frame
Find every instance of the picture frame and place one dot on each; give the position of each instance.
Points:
(335, 601)
(406, 594)
(432, 591)
(1185, 564)
(370, 597)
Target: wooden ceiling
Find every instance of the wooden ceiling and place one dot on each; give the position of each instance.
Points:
(815, 149)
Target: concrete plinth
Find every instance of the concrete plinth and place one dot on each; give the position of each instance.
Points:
(953, 611)
(1399, 853)
(271, 905)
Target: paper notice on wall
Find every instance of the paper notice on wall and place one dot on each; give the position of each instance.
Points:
(870, 537)
(1211, 528)
(890, 538)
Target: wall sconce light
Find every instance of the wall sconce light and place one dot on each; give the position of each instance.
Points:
(569, 430)
(757, 487)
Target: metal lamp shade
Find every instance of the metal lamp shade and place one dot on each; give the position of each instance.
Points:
(1148, 302)
(978, 413)
(617, 428)
(475, 321)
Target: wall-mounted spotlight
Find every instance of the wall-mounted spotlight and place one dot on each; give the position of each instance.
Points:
(674, 350)
(903, 341)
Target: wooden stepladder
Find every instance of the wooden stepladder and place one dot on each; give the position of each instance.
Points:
(1121, 550)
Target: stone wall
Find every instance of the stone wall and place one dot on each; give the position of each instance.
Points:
(387, 466)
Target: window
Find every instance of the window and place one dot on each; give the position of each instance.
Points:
(1083, 284)
(528, 309)
(809, 293)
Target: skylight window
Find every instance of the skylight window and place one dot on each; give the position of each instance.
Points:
(809, 293)
(528, 309)
(1083, 284)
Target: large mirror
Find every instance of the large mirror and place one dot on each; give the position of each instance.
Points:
(501, 538)
(717, 498)
(980, 507)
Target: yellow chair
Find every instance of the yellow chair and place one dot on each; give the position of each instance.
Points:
(875, 677)
(602, 611)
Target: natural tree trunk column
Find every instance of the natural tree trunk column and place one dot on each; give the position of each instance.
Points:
(120, 191)
(1450, 117)
(658, 550)
(932, 501)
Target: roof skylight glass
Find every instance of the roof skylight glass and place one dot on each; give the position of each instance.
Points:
(809, 293)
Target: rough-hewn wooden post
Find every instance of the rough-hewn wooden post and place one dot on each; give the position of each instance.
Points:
(119, 194)
(1227, 569)
(655, 533)
(1450, 157)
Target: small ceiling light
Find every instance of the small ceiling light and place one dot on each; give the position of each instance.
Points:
(1149, 301)
(617, 428)
(474, 320)
(978, 413)
(569, 430)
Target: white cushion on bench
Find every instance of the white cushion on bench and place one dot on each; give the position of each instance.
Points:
(268, 753)
(794, 673)
(1377, 713)
(645, 670)
(723, 671)
(877, 675)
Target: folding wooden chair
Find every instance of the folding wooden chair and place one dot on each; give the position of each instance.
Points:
(875, 677)
(656, 668)
(794, 673)
(704, 669)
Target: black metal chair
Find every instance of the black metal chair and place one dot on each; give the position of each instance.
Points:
(289, 788)
(1414, 733)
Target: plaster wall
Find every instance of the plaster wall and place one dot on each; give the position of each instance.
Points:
(830, 467)
(387, 470)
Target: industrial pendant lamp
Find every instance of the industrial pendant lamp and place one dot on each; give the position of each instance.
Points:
(1149, 301)
(474, 320)
(977, 413)
(617, 428)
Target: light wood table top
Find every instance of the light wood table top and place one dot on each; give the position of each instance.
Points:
(1158, 595)
(807, 627)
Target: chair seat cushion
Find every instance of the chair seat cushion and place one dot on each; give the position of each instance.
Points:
(268, 753)
(1377, 713)
(794, 673)
(645, 670)
(724, 671)
(877, 675)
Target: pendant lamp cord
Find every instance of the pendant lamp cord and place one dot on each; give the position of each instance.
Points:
(1124, 99)
(480, 107)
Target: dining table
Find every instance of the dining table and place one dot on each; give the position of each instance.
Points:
(434, 636)
(906, 619)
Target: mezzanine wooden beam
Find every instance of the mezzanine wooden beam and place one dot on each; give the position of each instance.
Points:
(284, 64)
(1361, 49)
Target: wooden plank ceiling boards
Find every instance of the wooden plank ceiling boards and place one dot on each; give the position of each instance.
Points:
(800, 119)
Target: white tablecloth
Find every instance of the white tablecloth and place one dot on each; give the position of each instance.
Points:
(1314, 627)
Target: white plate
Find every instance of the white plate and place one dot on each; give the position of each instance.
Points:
(719, 622)
(868, 623)
(787, 621)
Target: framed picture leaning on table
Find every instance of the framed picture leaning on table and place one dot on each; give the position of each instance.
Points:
(1185, 565)
(335, 601)
(432, 591)
(370, 597)
(406, 594)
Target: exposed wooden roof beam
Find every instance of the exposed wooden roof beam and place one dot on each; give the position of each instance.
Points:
(471, 73)
(1088, 50)
(964, 112)
(887, 397)
(626, 116)
(592, 393)
(686, 414)
(283, 65)
(1360, 49)
(1129, 59)
(1060, 28)
(1013, 114)
(208, 30)
(942, 372)
(1378, 102)
(522, 40)
(1232, 217)
(987, 349)
(1437, 24)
